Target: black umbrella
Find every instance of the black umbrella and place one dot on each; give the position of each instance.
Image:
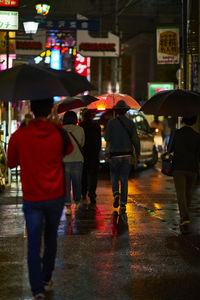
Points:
(173, 103)
(74, 102)
(32, 82)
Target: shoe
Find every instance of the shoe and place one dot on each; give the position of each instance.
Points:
(40, 296)
(122, 208)
(185, 222)
(116, 201)
(48, 286)
(68, 210)
(184, 227)
(76, 206)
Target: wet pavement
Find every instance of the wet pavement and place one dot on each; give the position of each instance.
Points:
(105, 255)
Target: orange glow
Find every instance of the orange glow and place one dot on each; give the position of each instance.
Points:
(101, 107)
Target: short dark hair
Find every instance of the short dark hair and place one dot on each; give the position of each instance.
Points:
(41, 108)
(87, 114)
(70, 117)
(189, 121)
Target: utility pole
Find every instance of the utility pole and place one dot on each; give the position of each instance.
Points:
(114, 75)
(100, 58)
(184, 42)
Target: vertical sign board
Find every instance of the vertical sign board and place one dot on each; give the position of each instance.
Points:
(155, 87)
(9, 3)
(195, 73)
(9, 20)
(168, 47)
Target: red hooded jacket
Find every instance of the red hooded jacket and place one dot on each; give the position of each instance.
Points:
(38, 148)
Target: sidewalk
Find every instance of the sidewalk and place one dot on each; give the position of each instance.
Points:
(102, 255)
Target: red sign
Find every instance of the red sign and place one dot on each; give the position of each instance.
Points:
(9, 3)
(97, 46)
(81, 65)
(28, 45)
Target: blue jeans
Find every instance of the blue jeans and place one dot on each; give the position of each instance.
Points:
(73, 176)
(120, 168)
(42, 215)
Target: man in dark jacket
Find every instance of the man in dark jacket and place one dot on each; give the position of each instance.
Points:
(186, 147)
(91, 149)
(121, 136)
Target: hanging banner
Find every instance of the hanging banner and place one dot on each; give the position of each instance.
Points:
(195, 73)
(168, 47)
(9, 3)
(82, 65)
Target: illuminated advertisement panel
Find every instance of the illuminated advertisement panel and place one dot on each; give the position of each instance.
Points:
(9, 20)
(155, 87)
(9, 3)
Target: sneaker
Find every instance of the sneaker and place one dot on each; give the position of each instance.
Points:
(68, 210)
(184, 227)
(48, 286)
(185, 222)
(76, 206)
(40, 296)
(116, 201)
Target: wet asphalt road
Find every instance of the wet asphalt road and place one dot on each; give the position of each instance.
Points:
(102, 255)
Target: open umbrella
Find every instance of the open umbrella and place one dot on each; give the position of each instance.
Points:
(173, 103)
(32, 82)
(109, 100)
(74, 102)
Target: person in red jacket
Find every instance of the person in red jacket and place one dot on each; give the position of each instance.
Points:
(38, 149)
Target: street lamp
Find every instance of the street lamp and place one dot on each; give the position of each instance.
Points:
(30, 27)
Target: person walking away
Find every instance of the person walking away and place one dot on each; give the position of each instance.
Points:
(92, 148)
(73, 162)
(185, 144)
(121, 136)
(165, 132)
(27, 118)
(38, 148)
(157, 125)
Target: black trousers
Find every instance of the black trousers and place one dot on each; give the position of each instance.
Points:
(184, 183)
(89, 178)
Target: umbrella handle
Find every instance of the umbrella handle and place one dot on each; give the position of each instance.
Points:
(53, 117)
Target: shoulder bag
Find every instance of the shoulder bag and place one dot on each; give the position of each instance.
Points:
(79, 146)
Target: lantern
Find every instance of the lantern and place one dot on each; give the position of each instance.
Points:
(42, 8)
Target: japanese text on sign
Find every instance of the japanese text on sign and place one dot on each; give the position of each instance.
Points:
(168, 46)
(9, 3)
(8, 20)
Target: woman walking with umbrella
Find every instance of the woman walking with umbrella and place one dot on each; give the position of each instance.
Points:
(186, 147)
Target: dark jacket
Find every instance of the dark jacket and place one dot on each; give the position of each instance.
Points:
(186, 148)
(118, 138)
(92, 145)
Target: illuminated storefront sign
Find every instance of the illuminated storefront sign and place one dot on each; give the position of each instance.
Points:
(31, 47)
(168, 46)
(3, 42)
(9, 3)
(97, 47)
(28, 45)
(154, 87)
(82, 64)
(55, 59)
(3, 61)
(8, 20)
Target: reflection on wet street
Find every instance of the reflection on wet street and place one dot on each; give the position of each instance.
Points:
(103, 254)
